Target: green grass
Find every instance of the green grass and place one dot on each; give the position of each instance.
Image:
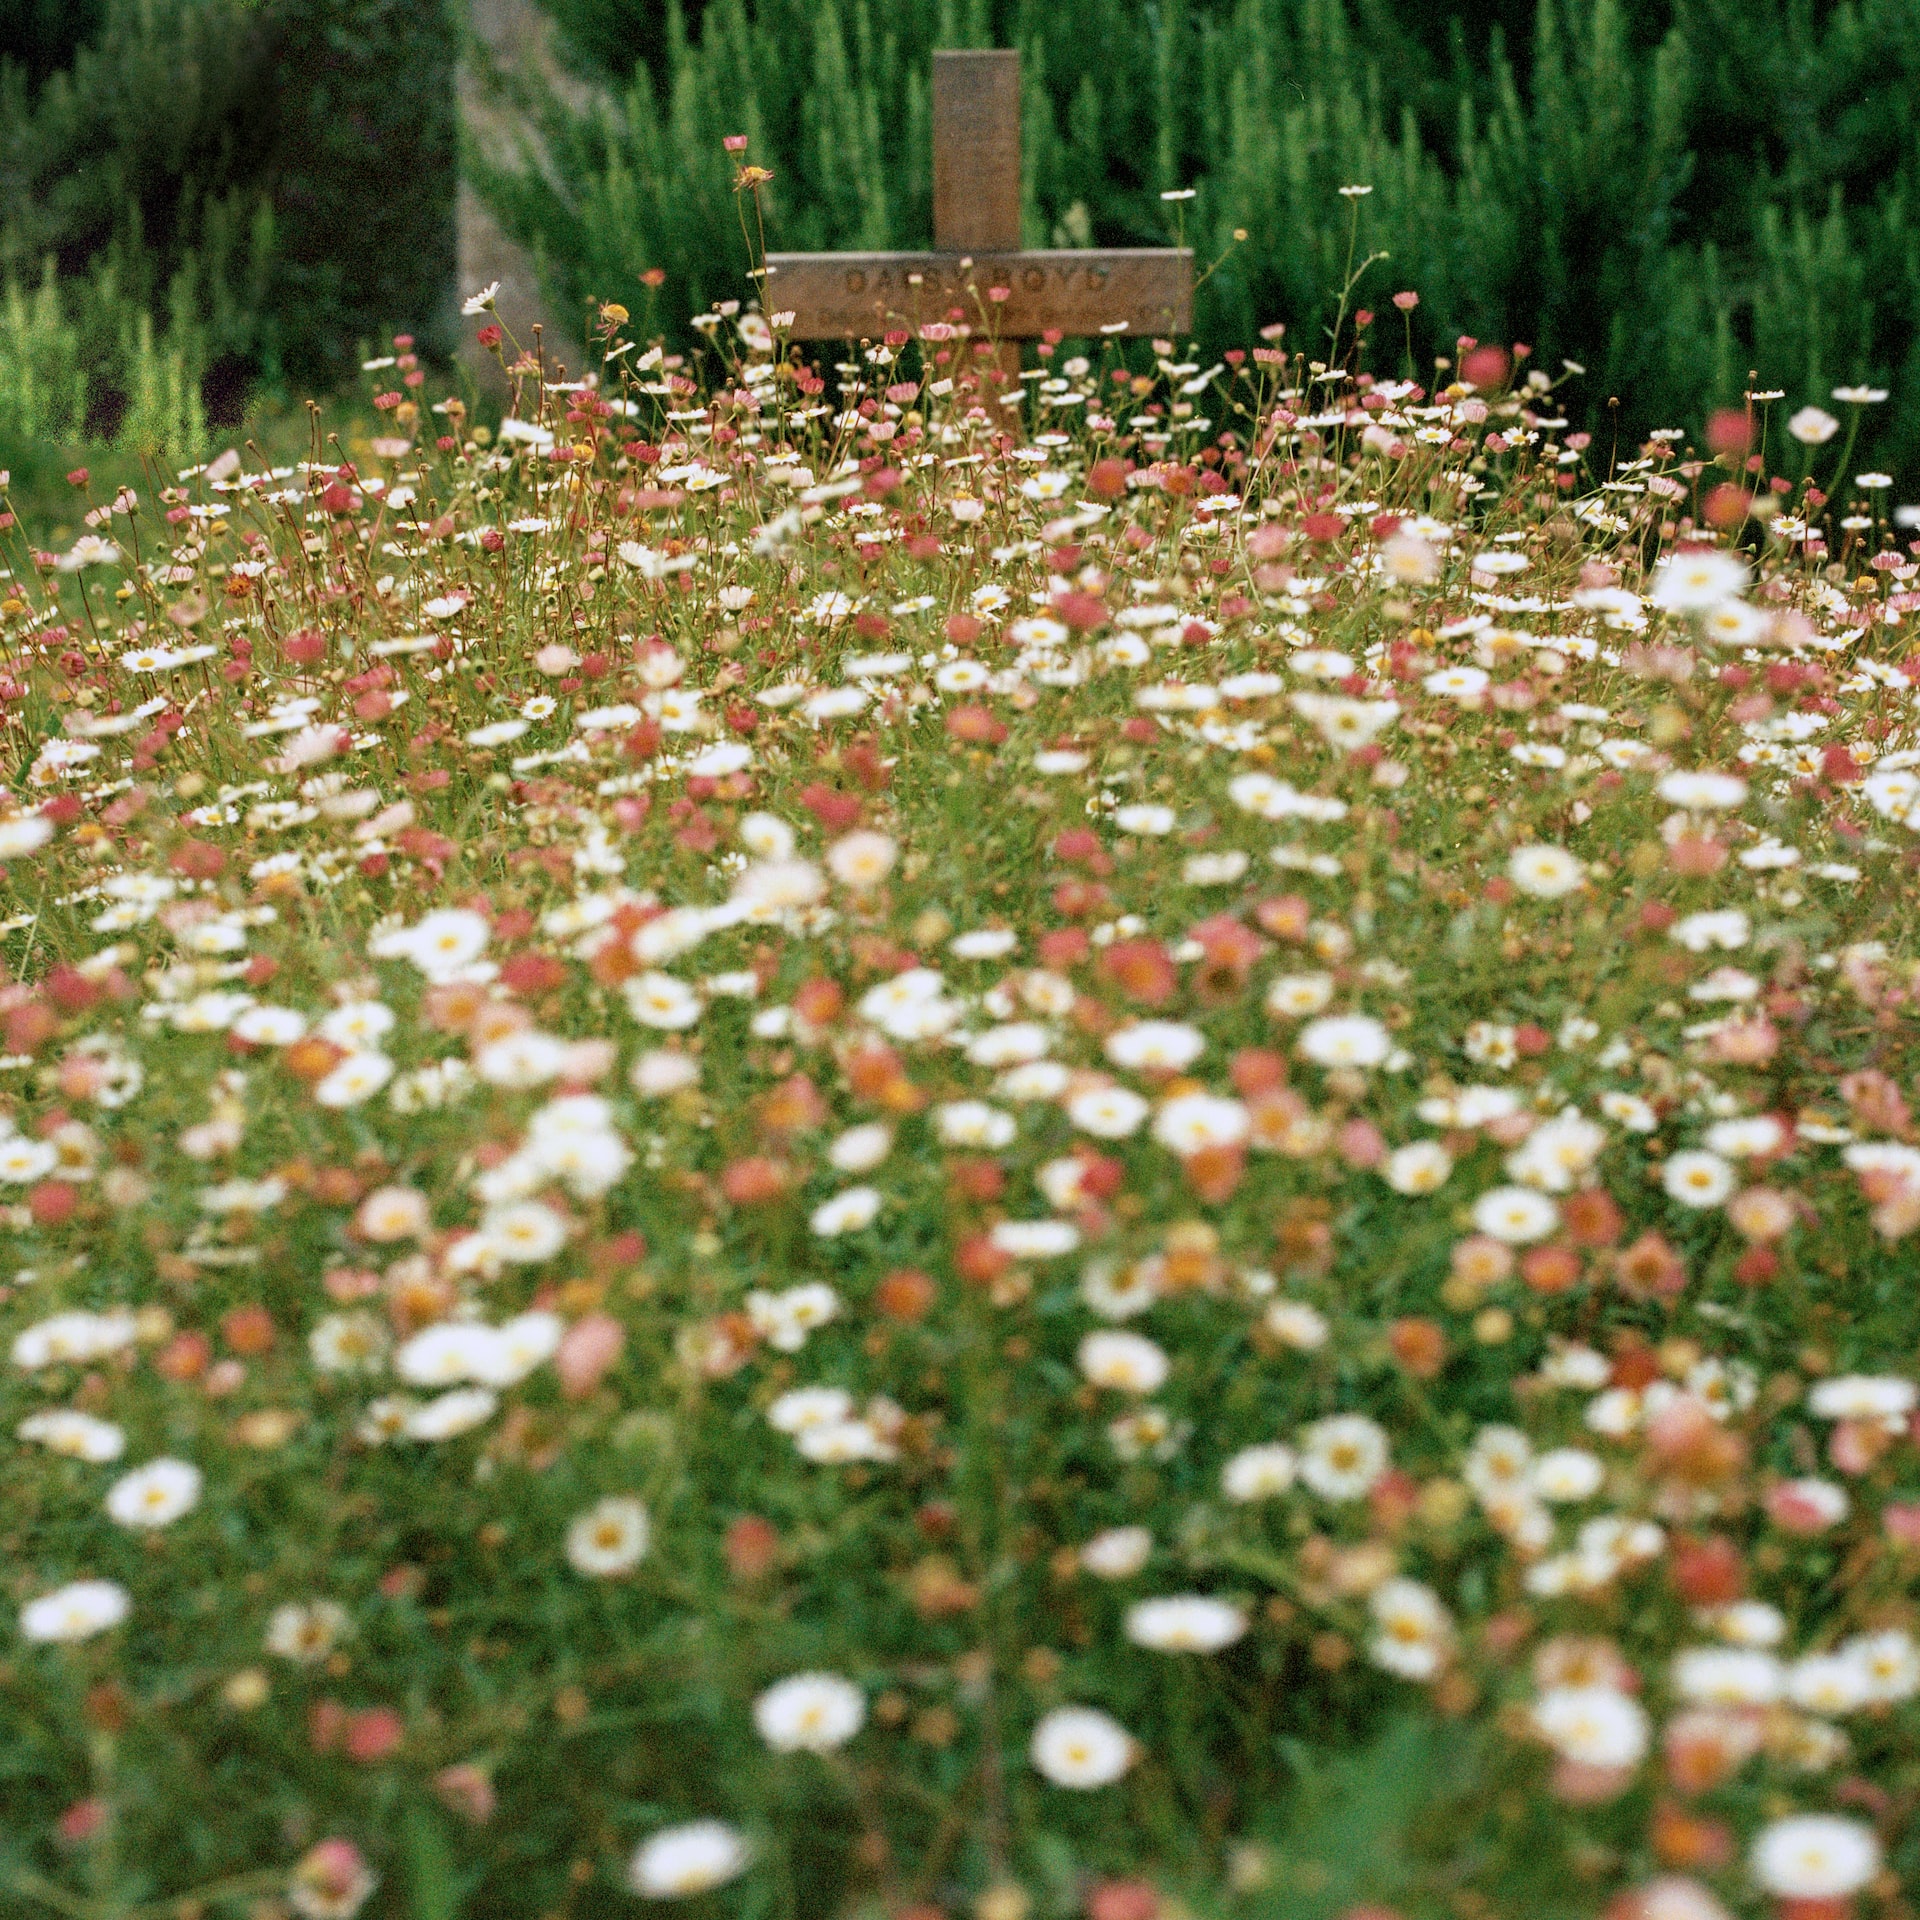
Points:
(494, 1727)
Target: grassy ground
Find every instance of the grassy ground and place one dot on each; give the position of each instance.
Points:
(44, 499)
(879, 1151)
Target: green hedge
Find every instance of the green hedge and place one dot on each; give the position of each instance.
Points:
(1669, 195)
(224, 190)
(366, 175)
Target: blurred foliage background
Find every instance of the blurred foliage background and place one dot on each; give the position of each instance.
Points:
(1670, 195)
(199, 198)
(199, 194)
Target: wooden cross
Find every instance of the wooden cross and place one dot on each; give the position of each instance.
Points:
(977, 251)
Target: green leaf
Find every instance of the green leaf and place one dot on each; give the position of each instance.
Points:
(432, 1881)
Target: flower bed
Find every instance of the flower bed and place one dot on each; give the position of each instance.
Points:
(951, 1156)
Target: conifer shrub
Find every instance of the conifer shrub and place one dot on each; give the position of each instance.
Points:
(1675, 196)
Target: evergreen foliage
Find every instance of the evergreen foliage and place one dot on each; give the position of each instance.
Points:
(1669, 196)
(196, 193)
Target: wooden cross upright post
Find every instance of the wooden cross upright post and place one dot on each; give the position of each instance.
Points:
(977, 251)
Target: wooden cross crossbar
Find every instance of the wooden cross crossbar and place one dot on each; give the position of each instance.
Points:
(977, 251)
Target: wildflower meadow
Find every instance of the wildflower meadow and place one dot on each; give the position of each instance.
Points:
(842, 1137)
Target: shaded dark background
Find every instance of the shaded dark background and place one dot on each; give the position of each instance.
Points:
(269, 183)
(1670, 195)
